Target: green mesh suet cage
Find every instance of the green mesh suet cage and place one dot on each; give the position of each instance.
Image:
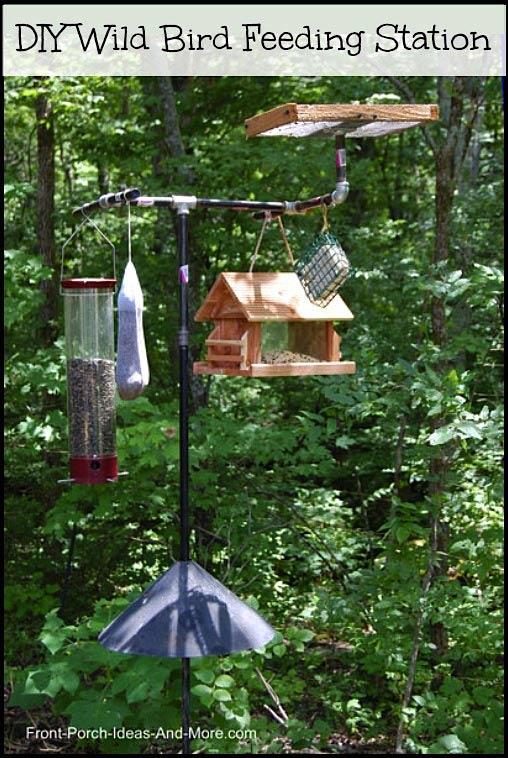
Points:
(322, 269)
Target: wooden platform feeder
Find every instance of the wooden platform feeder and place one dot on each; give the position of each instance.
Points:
(321, 120)
(265, 317)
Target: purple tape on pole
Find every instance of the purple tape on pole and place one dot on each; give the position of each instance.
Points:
(340, 157)
(183, 274)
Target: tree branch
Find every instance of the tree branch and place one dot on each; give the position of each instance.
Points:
(283, 717)
(399, 450)
(417, 633)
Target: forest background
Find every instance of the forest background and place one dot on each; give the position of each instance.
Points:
(362, 515)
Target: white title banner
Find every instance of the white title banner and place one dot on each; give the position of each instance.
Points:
(265, 40)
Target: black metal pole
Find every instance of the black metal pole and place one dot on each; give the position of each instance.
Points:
(186, 741)
(276, 207)
(183, 351)
(241, 205)
(68, 570)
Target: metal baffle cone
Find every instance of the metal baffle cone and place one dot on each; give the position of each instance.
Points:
(186, 613)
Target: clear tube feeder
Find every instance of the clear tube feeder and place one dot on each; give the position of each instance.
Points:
(91, 387)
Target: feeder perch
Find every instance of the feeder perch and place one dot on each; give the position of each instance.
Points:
(266, 326)
(294, 120)
(88, 311)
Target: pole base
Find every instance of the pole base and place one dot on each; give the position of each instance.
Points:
(186, 613)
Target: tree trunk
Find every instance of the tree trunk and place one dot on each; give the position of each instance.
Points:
(102, 178)
(459, 102)
(45, 214)
(66, 164)
(172, 134)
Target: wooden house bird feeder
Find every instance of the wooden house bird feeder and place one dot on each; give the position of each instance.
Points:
(266, 326)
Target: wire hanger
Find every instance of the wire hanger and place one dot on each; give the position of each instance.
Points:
(88, 220)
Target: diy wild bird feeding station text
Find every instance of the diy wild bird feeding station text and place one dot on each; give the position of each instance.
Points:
(248, 37)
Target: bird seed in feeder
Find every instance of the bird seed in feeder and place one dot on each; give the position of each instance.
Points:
(286, 356)
(91, 406)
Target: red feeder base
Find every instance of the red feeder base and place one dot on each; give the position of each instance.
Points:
(97, 470)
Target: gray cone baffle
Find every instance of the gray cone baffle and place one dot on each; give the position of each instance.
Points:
(186, 613)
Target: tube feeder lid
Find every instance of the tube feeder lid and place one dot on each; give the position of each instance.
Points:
(88, 284)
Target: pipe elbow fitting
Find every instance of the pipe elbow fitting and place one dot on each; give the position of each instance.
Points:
(340, 193)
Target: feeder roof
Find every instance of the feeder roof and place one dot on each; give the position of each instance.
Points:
(321, 120)
(266, 296)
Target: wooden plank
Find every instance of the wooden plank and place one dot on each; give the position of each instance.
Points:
(200, 367)
(243, 350)
(229, 343)
(295, 120)
(266, 370)
(355, 113)
(283, 114)
(332, 343)
(254, 344)
(303, 369)
(223, 358)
